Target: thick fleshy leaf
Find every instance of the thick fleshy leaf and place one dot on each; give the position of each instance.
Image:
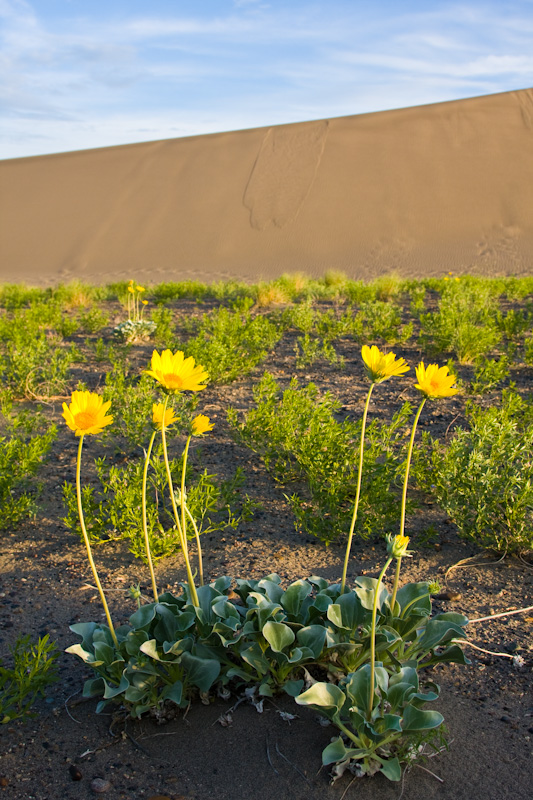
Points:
(391, 769)
(293, 599)
(174, 693)
(452, 654)
(202, 672)
(94, 687)
(357, 687)
(365, 588)
(113, 691)
(337, 751)
(271, 589)
(414, 719)
(77, 650)
(222, 584)
(278, 635)
(325, 697)
(438, 632)
(313, 637)
(86, 631)
(414, 595)
(253, 655)
(143, 616)
(293, 688)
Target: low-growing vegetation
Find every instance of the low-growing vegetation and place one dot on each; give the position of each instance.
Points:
(347, 453)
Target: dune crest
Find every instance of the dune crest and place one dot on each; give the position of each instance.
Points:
(420, 190)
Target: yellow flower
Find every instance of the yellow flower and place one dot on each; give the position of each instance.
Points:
(140, 288)
(144, 302)
(435, 381)
(131, 289)
(380, 366)
(201, 424)
(157, 416)
(397, 546)
(86, 413)
(177, 373)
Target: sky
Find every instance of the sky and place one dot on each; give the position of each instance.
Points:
(77, 74)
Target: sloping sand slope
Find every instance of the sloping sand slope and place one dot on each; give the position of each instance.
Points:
(421, 191)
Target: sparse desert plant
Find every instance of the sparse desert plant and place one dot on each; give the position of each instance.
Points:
(135, 329)
(23, 447)
(232, 342)
(34, 670)
(301, 441)
(484, 478)
(465, 323)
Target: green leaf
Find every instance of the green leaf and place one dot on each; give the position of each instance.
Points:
(452, 654)
(313, 637)
(202, 672)
(293, 688)
(414, 719)
(113, 691)
(337, 751)
(278, 635)
(413, 596)
(365, 590)
(357, 687)
(253, 655)
(295, 596)
(173, 692)
(325, 697)
(143, 616)
(391, 769)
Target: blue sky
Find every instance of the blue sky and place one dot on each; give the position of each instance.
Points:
(76, 74)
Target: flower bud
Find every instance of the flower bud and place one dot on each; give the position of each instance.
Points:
(397, 546)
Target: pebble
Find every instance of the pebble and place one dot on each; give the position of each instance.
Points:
(75, 773)
(100, 785)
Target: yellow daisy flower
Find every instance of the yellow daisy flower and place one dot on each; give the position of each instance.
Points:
(201, 424)
(157, 416)
(435, 381)
(86, 413)
(381, 366)
(177, 373)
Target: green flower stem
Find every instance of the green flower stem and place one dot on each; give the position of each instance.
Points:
(373, 638)
(396, 582)
(197, 535)
(183, 541)
(404, 498)
(145, 522)
(88, 545)
(358, 490)
(182, 494)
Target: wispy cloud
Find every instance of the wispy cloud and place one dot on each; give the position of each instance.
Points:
(93, 78)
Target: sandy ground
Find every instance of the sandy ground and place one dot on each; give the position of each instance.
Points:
(420, 191)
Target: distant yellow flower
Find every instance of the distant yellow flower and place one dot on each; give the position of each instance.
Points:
(435, 381)
(201, 424)
(157, 416)
(381, 366)
(397, 546)
(144, 302)
(140, 289)
(177, 373)
(131, 289)
(86, 413)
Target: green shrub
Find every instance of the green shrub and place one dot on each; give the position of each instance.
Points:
(22, 450)
(484, 478)
(33, 671)
(302, 442)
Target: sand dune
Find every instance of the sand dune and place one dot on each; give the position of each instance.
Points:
(420, 191)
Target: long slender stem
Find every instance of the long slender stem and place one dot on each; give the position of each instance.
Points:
(200, 557)
(373, 638)
(404, 499)
(182, 493)
(183, 539)
(88, 545)
(358, 490)
(145, 521)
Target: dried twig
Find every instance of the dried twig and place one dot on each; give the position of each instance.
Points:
(503, 614)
